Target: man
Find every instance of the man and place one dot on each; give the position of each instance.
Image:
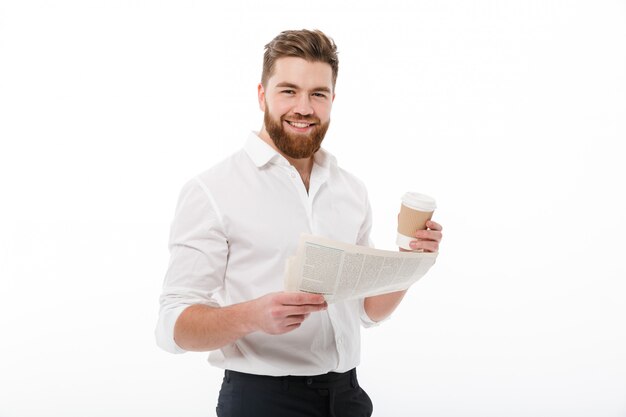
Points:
(284, 354)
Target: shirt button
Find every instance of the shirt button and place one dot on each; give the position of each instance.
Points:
(309, 381)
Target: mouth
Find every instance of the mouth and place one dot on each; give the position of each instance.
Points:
(301, 127)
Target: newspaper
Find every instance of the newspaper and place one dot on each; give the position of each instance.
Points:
(341, 271)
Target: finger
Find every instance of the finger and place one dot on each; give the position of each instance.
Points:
(300, 298)
(425, 245)
(290, 328)
(429, 235)
(292, 320)
(434, 225)
(304, 309)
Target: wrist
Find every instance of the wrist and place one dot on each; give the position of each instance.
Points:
(247, 317)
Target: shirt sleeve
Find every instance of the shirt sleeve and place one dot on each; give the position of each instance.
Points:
(366, 321)
(198, 254)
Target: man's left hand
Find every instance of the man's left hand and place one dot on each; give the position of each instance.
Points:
(428, 240)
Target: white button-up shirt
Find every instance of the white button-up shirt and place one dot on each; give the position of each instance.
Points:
(235, 225)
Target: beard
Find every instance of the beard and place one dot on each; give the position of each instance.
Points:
(294, 145)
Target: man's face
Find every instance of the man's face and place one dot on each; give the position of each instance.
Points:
(297, 102)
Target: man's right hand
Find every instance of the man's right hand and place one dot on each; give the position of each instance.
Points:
(201, 328)
(282, 312)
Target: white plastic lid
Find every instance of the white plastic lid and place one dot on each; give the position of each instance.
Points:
(418, 201)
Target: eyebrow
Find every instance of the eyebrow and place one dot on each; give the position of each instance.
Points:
(295, 87)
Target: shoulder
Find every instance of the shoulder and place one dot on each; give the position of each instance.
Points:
(224, 173)
(220, 176)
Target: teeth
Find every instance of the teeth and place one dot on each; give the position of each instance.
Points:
(300, 125)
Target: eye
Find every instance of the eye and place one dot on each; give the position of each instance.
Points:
(290, 92)
(321, 95)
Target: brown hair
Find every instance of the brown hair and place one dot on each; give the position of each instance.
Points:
(311, 45)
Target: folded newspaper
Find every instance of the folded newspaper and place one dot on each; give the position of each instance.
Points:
(341, 271)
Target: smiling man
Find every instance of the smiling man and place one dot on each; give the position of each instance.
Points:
(301, 112)
(284, 354)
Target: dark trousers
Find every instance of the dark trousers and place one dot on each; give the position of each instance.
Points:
(328, 395)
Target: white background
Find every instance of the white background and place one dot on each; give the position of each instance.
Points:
(510, 113)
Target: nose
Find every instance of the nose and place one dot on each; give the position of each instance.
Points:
(303, 106)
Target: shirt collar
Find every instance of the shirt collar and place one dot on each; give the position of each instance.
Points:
(324, 159)
(259, 151)
(262, 153)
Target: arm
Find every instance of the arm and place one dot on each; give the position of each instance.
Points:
(190, 318)
(379, 307)
(202, 328)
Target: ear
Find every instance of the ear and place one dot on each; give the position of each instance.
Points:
(261, 95)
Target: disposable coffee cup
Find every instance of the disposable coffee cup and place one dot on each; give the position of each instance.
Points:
(415, 211)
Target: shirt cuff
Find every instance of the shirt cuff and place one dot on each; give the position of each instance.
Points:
(164, 332)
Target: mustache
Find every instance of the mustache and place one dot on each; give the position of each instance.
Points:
(301, 118)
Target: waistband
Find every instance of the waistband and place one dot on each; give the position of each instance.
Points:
(329, 380)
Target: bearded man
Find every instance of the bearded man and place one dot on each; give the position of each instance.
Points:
(284, 354)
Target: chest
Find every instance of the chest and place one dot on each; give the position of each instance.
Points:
(278, 209)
